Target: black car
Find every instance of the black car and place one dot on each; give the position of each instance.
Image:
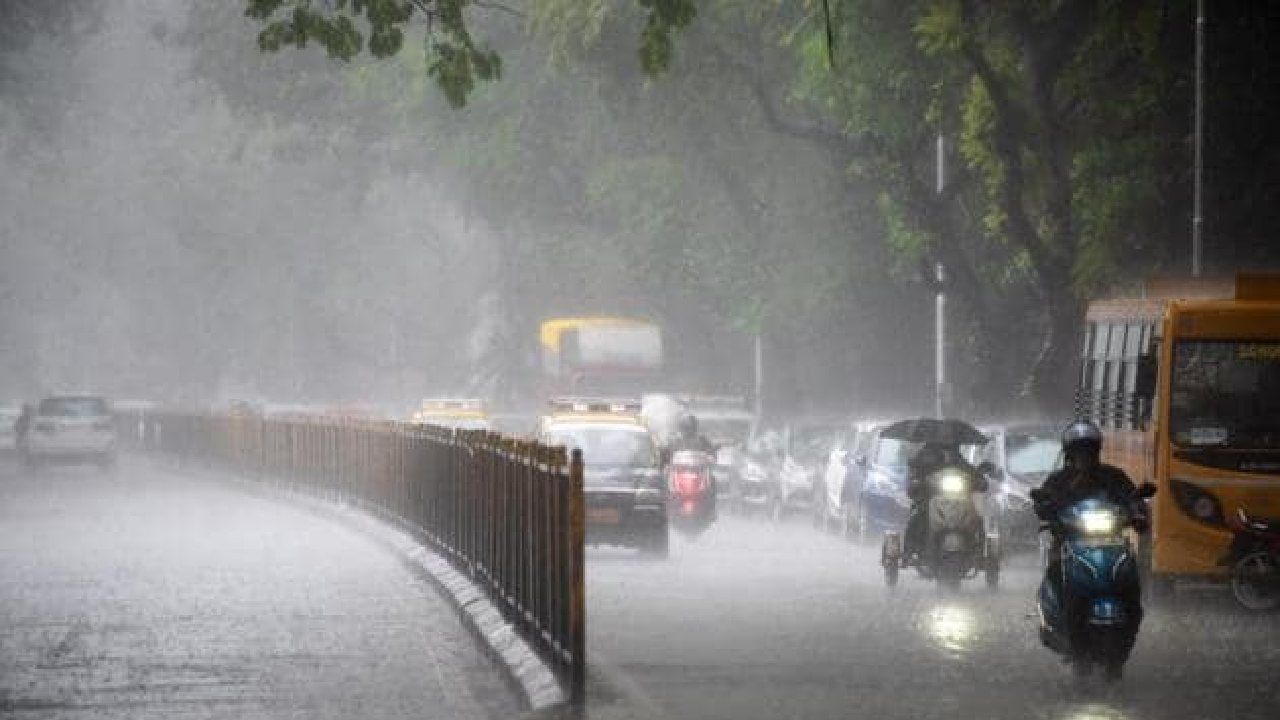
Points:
(623, 483)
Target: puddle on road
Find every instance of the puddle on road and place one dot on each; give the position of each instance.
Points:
(951, 628)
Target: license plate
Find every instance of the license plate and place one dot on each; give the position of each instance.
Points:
(603, 515)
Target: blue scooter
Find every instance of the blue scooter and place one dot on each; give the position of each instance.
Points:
(1099, 569)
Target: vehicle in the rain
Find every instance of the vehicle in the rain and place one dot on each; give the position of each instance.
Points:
(951, 543)
(73, 428)
(9, 414)
(805, 447)
(879, 485)
(690, 488)
(1211, 443)
(727, 423)
(456, 413)
(1022, 456)
(599, 356)
(1084, 615)
(1254, 561)
(751, 489)
(836, 500)
(623, 483)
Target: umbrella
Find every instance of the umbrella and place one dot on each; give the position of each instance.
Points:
(932, 430)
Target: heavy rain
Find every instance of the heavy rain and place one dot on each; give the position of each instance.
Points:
(631, 359)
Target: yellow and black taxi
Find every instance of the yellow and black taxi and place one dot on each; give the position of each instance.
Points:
(623, 483)
(459, 413)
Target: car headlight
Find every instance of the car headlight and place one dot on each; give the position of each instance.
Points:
(1098, 522)
(952, 483)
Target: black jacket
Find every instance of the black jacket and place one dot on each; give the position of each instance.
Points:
(1069, 485)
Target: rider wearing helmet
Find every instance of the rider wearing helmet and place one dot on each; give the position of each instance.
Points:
(930, 458)
(688, 438)
(1082, 476)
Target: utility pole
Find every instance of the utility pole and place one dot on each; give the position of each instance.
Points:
(940, 305)
(759, 376)
(940, 337)
(1197, 220)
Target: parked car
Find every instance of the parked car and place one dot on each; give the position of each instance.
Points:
(8, 427)
(835, 501)
(71, 428)
(807, 445)
(761, 462)
(880, 501)
(1023, 455)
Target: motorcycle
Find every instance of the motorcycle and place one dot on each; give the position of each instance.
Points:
(955, 543)
(690, 492)
(1098, 565)
(1254, 559)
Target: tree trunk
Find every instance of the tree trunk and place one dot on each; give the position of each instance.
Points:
(1051, 381)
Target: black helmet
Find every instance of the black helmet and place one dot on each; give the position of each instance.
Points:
(688, 425)
(1082, 432)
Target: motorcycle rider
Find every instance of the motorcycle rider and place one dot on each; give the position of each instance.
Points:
(688, 438)
(1083, 476)
(930, 458)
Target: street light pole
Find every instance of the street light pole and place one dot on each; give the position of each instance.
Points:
(940, 305)
(939, 343)
(1197, 220)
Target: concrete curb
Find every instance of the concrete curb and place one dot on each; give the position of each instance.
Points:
(537, 683)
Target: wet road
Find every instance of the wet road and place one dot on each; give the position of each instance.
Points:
(152, 595)
(762, 621)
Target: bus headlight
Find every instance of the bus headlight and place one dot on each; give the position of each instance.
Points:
(1098, 522)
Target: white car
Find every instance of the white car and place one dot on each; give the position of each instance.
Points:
(71, 428)
(836, 506)
(8, 427)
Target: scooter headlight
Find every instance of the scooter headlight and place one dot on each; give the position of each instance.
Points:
(952, 482)
(1098, 522)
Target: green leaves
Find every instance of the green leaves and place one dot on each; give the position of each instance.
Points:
(665, 18)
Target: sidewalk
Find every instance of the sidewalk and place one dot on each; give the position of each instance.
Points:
(152, 594)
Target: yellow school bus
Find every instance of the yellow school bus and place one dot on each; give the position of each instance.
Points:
(1185, 382)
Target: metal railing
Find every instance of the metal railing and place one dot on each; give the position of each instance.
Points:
(507, 512)
(1112, 410)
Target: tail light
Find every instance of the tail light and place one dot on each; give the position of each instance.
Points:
(687, 482)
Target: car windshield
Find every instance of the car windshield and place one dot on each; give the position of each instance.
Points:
(606, 444)
(729, 431)
(1225, 393)
(894, 453)
(1031, 454)
(72, 407)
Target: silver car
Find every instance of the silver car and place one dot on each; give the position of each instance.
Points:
(71, 428)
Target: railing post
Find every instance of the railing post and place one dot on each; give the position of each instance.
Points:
(578, 601)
